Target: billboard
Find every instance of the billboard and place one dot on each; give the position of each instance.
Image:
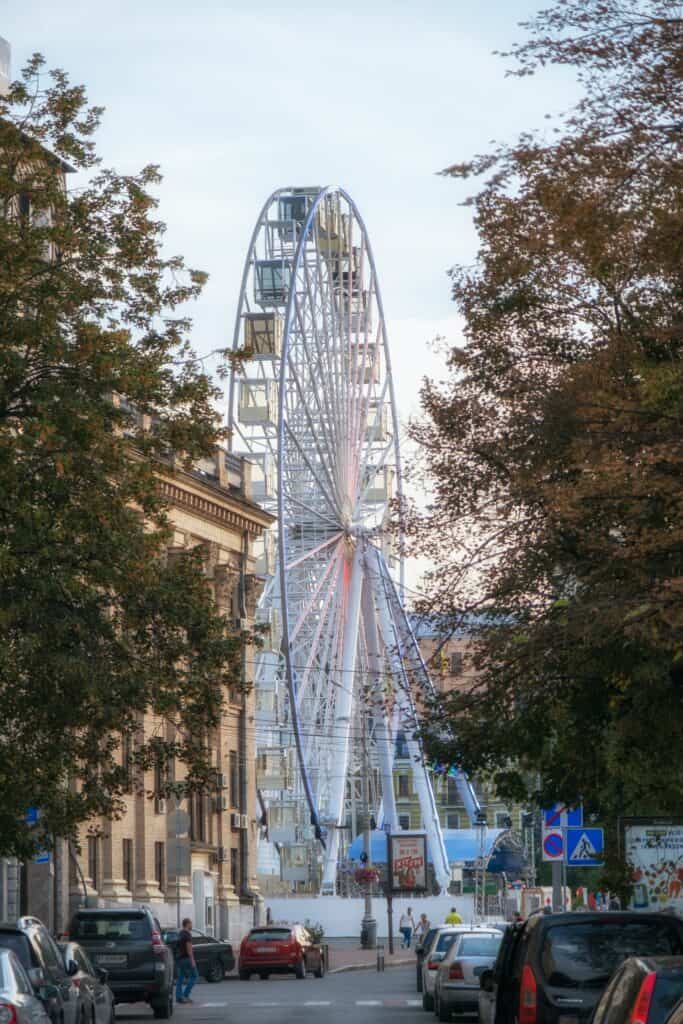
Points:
(654, 849)
(407, 857)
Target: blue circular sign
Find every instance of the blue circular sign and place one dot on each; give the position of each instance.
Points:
(552, 844)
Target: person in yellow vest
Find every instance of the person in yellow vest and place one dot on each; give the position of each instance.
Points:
(453, 917)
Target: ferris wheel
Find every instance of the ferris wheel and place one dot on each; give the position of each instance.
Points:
(311, 406)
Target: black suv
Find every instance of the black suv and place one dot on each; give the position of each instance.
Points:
(127, 942)
(552, 968)
(38, 953)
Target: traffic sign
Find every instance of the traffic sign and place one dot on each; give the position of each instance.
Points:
(553, 844)
(561, 816)
(585, 847)
(31, 816)
(42, 857)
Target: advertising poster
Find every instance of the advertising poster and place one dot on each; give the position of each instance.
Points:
(407, 861)
(654, 849)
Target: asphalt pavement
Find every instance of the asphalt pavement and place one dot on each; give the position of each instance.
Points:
(355, 997)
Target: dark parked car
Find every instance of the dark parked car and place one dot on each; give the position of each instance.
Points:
(214, 957)
(280, 949)
(42, 960)
(18, 1002)
(127, 942)
(644, 990)
(95, 997)
(553, 968)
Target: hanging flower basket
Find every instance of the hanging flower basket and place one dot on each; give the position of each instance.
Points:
(366, 876)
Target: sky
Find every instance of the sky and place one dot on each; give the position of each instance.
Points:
(236, 98)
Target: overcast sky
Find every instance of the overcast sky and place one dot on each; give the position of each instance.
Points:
(238, 97)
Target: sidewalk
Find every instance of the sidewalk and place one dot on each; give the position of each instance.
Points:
(347, 955)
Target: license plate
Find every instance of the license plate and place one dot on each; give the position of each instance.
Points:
(112, 958)
(264, 949)
(568, 1020)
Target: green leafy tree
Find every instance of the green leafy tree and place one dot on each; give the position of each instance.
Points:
(96, 629)
(555, 448)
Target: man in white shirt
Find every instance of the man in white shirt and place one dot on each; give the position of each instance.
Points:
(406, 927)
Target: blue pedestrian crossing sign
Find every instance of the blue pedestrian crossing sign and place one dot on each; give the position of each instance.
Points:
(561, 816)
(585, 847)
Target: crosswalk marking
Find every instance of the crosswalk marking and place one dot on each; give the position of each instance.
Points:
(368, 1002)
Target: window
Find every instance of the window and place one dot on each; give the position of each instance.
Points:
(403, 785)
(160, 865)
(128, 863)
(451, 791)
(452, 821)
(197, 806)
(581, 956)
(21, 981)
(479, 945)
(110, 925)
(49, 953)
(234, 868)
(503, 819)
(93, 861)
(401, 745)
(404, 821)
(127, 758)
(455, 663)
(234, 780)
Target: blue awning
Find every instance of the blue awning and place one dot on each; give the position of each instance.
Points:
(462, 847)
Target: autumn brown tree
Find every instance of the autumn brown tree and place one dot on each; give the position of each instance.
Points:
(555, 449)
(95, 628)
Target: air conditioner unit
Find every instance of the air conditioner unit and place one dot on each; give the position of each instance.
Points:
(244, 821)
(220, 803)
(221, 780)
(235, 820)
(221, 855)
(160, 805)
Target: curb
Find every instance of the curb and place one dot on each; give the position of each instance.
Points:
(368, 966)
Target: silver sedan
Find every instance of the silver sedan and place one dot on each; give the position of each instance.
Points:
(18, 1002)
(456, 985)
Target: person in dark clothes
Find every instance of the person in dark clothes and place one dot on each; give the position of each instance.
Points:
(187, 968)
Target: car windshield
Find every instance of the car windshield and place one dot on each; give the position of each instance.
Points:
(269, 935)
(18, 944)
(584, 955)
(479, 945)
(110, 926)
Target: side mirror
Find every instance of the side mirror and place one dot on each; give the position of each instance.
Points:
(72, 968)
(36, 976)
(486, 980)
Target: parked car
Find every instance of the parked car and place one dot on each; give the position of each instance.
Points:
(280, 949)
(433, 955)
(552, 968)
(644, 990)
(456, 984)
(41, 959)
(214, 957)
(127, 942)
(18, 1002)
(676, 1015)
(420, 951)
(94, 995)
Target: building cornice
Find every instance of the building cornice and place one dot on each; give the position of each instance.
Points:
(184, 491)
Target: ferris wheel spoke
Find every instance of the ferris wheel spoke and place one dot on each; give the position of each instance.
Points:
(324, 620)
(314, 551)
(323, 490)
(333, 564)
(312, 431)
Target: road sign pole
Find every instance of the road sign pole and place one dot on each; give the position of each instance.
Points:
(556, 868)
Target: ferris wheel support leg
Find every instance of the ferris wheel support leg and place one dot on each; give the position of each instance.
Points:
(383, 731)
(342, 720)
(404, 700)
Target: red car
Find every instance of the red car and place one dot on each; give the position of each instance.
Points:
(280, 949)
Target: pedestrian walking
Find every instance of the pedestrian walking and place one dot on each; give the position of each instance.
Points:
(187, 966)
(421, 928)
(453, 917)
(406, 926)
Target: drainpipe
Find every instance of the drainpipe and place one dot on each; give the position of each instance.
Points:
(252, 894)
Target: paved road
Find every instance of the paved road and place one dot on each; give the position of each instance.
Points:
(354, 997)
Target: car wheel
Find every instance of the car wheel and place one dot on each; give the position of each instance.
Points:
(215, 971)
(264, 975)
(244, 975)
(320, 973)
(163, 1008)
(444, 1013)
(300, 970)
(427, 1001)
(419, 977)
